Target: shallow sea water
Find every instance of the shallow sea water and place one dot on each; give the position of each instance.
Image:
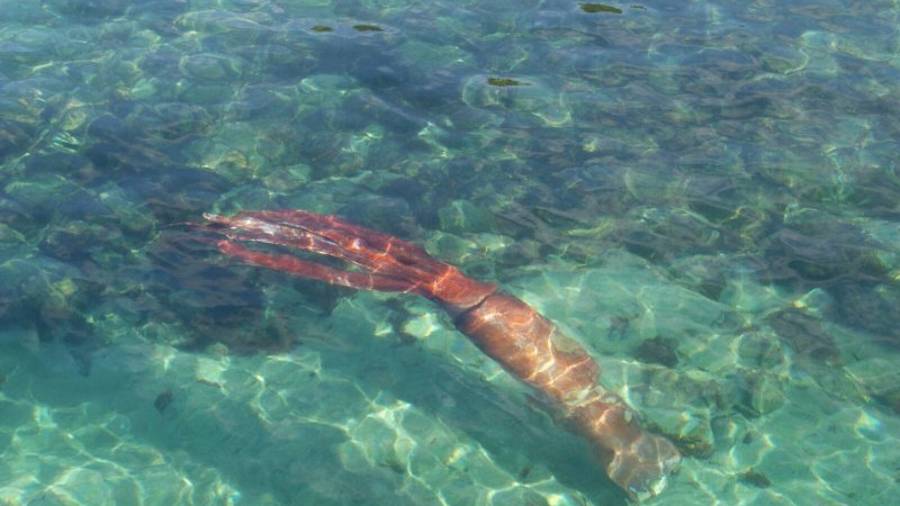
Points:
(704, 193)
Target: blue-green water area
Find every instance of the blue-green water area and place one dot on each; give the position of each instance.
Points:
(705, 193)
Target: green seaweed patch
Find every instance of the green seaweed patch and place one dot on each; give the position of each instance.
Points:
(322, 28)
(368, 28)
(504, 81)
(595, 8)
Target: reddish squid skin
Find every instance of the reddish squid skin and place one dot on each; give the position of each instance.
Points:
(535, 351)
(505, 328)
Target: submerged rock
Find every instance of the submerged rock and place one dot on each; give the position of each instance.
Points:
(163, 400)
(805, 335)
(539, 101)
(389, 214)
(462, 216)
(761, 351)
(660, 233)
(880, 378)
(706, 274)
(91, 9)
(754, 478)
(658, 350)
(238, 27)
(761, 394)
(818, 247)
(210, 67)
(872, 308)
(14, 137)
(12, 243)
(78, 240)
(41, 195)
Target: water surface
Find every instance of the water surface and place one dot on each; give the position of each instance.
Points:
(704, 193)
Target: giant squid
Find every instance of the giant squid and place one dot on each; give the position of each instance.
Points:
(523, 342)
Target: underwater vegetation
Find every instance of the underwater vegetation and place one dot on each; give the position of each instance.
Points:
(367, 28)
(503, 81)
(594, 8)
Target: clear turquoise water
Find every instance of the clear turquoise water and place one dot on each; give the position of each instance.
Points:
(704, 193)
